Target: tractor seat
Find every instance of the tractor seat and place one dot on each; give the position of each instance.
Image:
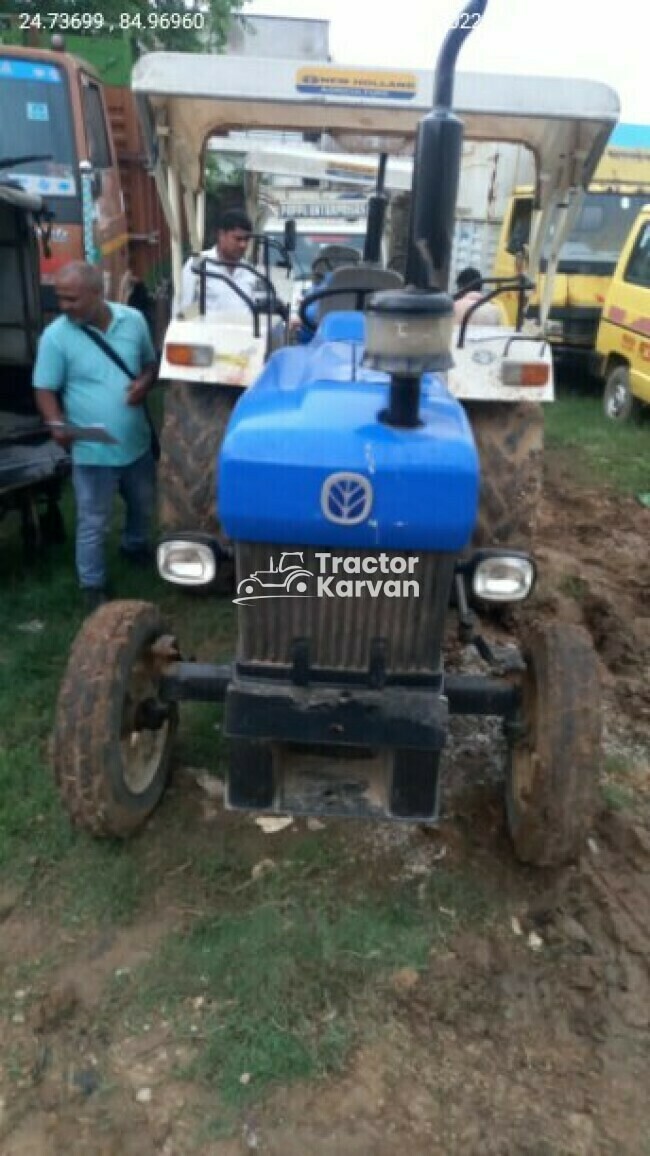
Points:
(350, 277)
(331, 257)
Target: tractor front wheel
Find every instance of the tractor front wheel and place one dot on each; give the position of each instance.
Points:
(112, 734)
(551, 790)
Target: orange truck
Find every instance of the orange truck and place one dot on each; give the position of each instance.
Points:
(74, 141)
(73, 185)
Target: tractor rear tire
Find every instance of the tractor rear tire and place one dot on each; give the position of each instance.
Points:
(112, 737)
(509, 438)
(194, 424)
(552, 781)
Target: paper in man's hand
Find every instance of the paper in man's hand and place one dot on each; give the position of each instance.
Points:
(84, 433)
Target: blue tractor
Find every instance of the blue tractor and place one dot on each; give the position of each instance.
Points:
(351, 455)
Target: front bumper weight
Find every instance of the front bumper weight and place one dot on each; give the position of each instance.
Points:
(334, 782)
(355, 716)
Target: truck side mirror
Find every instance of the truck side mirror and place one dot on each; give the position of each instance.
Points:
(44, 221)
(516, 244)
(520, 233)
(290, 236)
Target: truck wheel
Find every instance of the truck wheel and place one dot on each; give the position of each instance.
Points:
(195, 420)
(551, 789)
(112, 735)
(509, 438)
(619, 403)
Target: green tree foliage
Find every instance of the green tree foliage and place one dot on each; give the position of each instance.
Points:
(224, 188)
(154, 24)
(220, 173)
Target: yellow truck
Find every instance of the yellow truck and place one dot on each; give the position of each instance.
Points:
(623, 341)
(595, 233)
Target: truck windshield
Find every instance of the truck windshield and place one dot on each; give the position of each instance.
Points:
(309, 246)
(596, 240)
(37, 121)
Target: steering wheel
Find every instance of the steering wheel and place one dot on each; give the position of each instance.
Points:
(360, 292)
(266, 298)
(239, 292)
(322, 265)
(502, 284)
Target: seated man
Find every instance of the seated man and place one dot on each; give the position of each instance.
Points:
(233, 234)
(321, 273)
(469, 283)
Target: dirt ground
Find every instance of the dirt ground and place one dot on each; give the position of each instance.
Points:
(533, 1038)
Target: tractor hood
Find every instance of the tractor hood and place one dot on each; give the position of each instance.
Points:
(306, 458)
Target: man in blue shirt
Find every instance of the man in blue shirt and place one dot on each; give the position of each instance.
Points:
(76, 381)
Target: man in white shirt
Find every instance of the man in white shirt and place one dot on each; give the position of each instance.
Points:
(233, 235)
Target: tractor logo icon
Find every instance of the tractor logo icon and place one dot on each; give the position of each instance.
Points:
(289, 579)
(346, 499)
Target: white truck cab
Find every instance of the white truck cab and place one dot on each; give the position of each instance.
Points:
(315, 237)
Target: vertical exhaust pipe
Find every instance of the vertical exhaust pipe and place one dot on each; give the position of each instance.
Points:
(377, 205)
(436, 168)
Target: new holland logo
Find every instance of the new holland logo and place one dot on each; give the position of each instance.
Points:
(346, 499)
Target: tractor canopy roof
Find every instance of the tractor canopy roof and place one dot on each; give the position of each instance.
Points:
(186, 98)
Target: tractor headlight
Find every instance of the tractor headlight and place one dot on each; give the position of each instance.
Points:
(188, 563)
(503, 577)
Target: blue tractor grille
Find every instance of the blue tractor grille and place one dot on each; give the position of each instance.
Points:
(283, 597)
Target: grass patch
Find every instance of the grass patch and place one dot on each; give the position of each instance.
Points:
(222, 1127)
(199, 741)
(618, 766)
(40, 614)
(626, 783)
(114, 882)
(283, 988)
(574, 587)
(32, 827)
(619, 798)
(601, 450)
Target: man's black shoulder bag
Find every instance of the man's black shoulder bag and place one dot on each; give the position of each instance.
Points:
(117, 360)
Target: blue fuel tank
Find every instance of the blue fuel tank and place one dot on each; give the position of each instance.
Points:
(306, 459)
